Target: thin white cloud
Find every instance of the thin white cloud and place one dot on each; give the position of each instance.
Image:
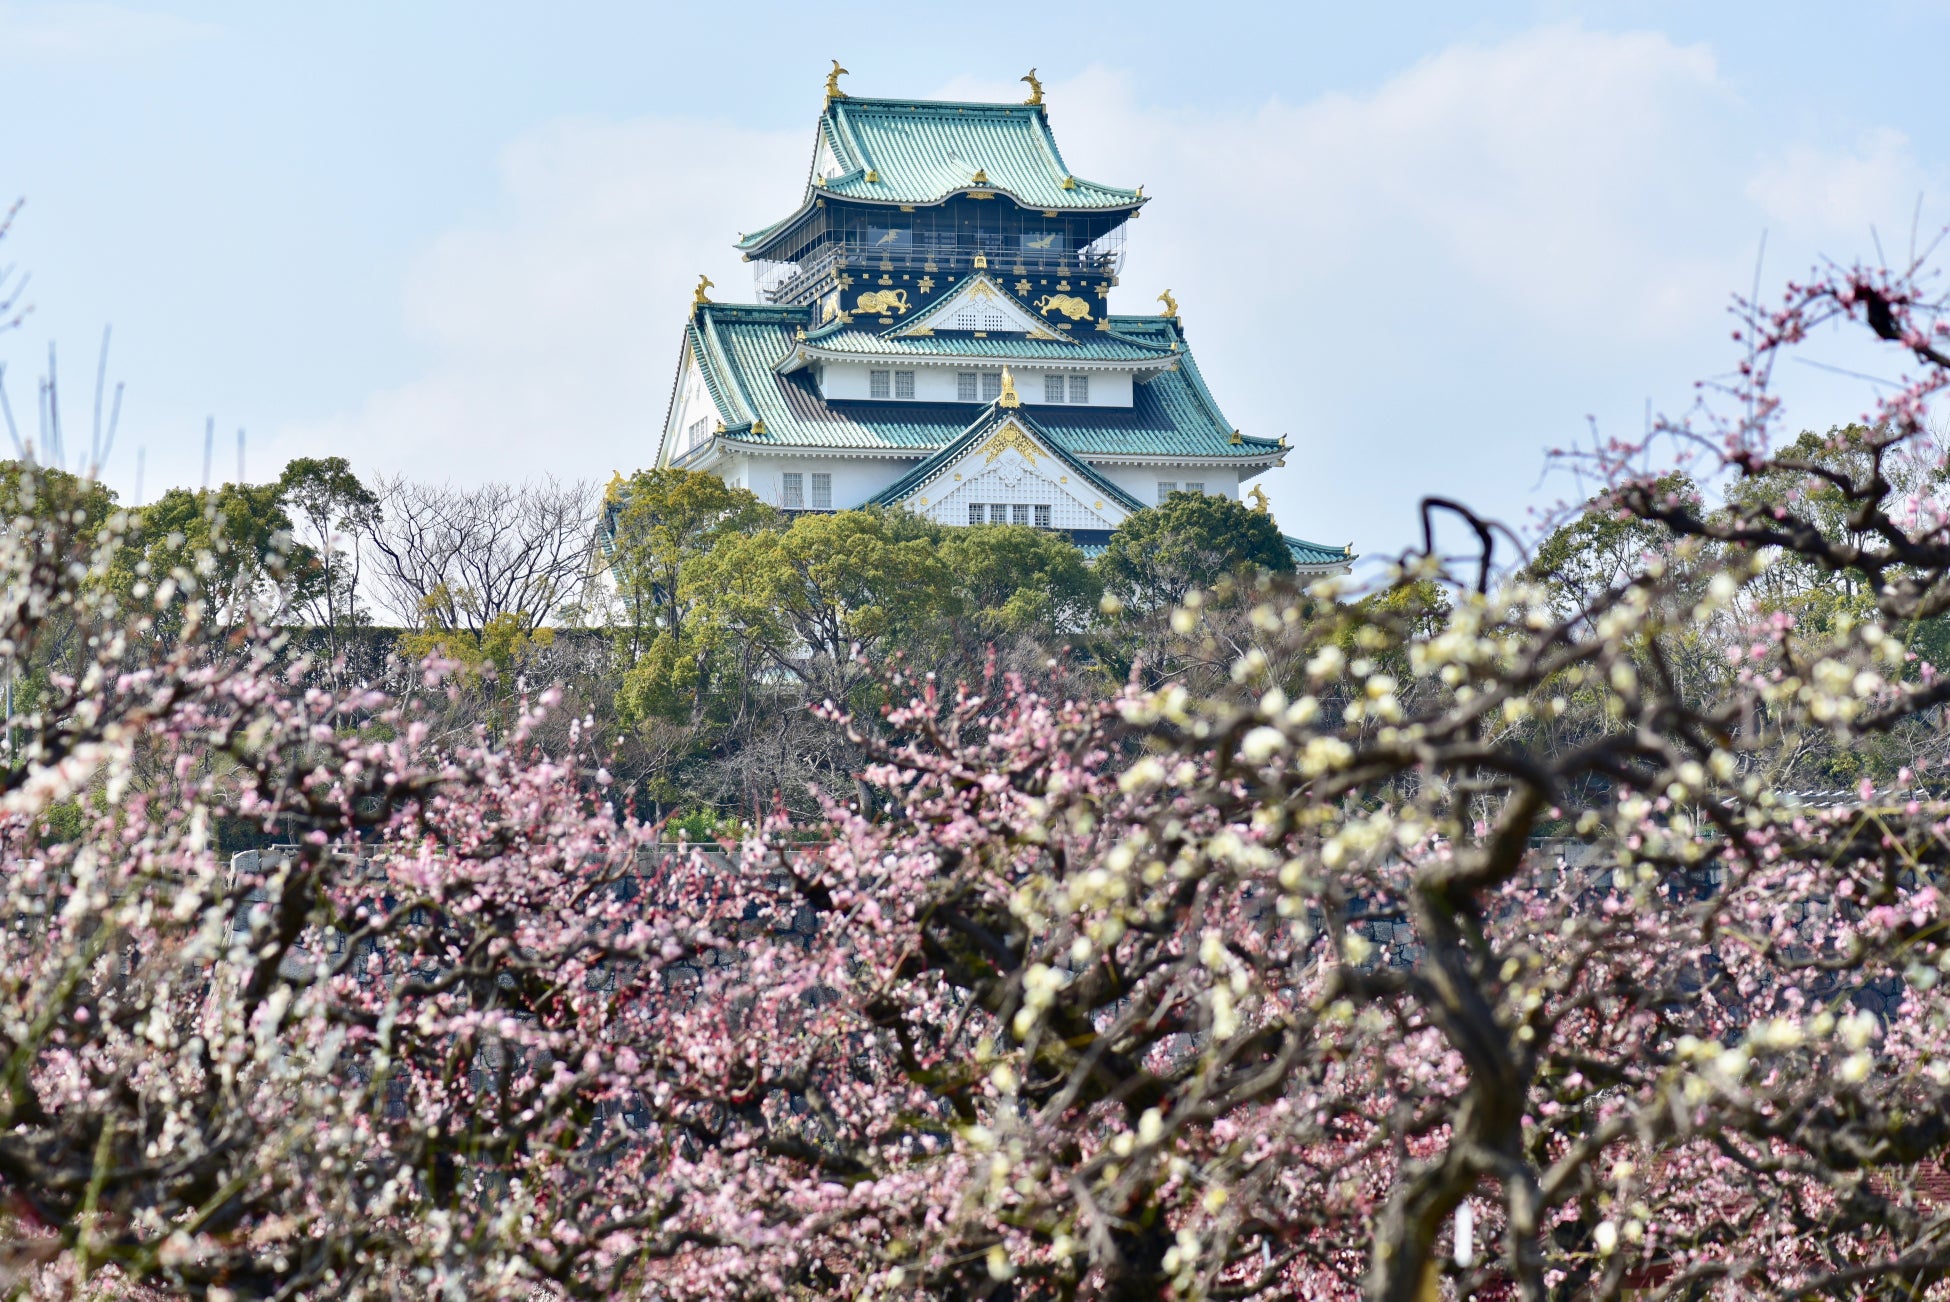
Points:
(1424, 284)
(554, 329)
(1877, 181)
(77, 30)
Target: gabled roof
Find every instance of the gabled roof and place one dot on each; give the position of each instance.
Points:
(995, 417)
(740, 346)
(898, 151)
(982, 291)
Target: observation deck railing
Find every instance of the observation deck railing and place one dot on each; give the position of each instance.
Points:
(1002, 256)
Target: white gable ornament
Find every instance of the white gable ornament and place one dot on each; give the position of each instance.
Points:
(1011, 468)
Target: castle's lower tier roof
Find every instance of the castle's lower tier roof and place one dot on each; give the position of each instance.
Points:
(739, 349)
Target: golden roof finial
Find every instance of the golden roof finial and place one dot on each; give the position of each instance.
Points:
(1171, 304)
(981, 177)
(697, 295)
(1008, 398)
(1035, 88)
(833, 90)
(1260, 505)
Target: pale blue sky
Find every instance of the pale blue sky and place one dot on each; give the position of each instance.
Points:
(456, 239)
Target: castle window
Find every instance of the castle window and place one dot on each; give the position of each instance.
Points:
(822, 491)
(1166, 487)
(697, 431)
(965, 386)
(1052, 388)
(877, 386)
(903, 384)
(1021, 513)
(998, 513)
(792, 489)
(1079, 388)
(974, 512)
(991, 385)
(1042, 517)
(1191, 487)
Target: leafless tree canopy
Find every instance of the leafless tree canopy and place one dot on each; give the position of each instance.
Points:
(458, 558)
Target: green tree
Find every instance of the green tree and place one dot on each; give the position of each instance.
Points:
(1189, 542)
(815, 598)
(662, 525)
(1604, 546)
(333, 506)
(229, 548)
(1014, 579)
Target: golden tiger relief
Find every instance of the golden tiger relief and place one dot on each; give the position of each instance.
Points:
(883, 300)
(1068, 304)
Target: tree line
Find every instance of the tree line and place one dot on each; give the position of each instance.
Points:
(694, 625)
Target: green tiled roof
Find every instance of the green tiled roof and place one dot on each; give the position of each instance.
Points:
(992, 416)
(1307, 554)
(738, 347)
(923, 151)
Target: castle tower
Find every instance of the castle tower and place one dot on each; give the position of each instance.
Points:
(933, 331)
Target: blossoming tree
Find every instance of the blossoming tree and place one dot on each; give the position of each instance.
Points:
(1473, 941)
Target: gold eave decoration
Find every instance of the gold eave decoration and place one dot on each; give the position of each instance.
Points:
(1010, 436)
(1069, 183)
(1237, 439)
(833, 90)
(1008, 398)
(758, 427)
(873, 177)
(981, 177)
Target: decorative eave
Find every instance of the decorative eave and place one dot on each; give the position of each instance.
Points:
(1262, 457)
(809, 352)
(797, 451)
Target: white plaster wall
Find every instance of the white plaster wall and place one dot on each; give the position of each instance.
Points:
(1141, 482)
(693, 404)
(853, 481)
(846, 381)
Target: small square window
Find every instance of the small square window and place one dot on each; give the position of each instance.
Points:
(794, 486)
(1192, 487)
(991, 385)
(965, 386)
(1042, 517)
(1021, 514)
(877, 385)
(903, 384)
(998, 513)
(974, 512)
(1166, 487)
(1052, 388)
(822, 491)
(1079, 388)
